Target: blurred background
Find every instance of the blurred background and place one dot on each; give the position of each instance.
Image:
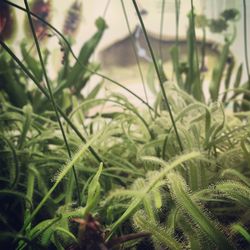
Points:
(114, 52)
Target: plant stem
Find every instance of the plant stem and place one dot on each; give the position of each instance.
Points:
(106, 8)
(245, 40)
(161, 28)
(136, 56)
(158, 75)
(51, 96)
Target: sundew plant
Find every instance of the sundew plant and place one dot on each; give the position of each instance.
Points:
(77, 174)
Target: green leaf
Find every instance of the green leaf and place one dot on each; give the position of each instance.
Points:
(151, 79)
(237, 174)
(235, 191)
(63, 237)
(176, 65)
(218, 25)
(94, 191)
(230, 14)
(241, 230)
(94, 68)
(159, 234)
(228, 76)
(10, 82)
(101, 24)
(43, 230)
(161, 71)
(217, 74)
(193, 84)
(238, 76)
(32, 64)
(75, 76)
(94, 92)
(184, 200)
(27, 111)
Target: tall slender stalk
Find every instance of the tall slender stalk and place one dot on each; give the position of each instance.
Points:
(136, 56)
(75, 57)
(191, 52)
(203, 48)
(177, 18)
(51, 96)
(158, 74)
(161, 27)
(193, 79)
(175, 51)
(245, 40)
(106, 8)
